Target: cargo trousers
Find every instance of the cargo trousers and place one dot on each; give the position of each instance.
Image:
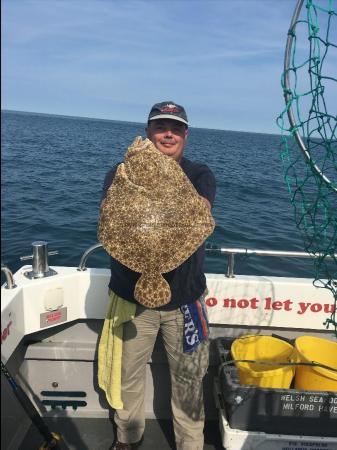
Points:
(186, 372)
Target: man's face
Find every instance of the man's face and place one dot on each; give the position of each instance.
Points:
(168, 136)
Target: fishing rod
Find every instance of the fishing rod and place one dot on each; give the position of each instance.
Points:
(52, 440)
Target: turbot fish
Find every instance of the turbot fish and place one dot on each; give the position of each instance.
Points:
(152, 219)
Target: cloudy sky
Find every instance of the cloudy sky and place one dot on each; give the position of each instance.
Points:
(112, 59)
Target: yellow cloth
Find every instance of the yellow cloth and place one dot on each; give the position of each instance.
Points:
(110, 348)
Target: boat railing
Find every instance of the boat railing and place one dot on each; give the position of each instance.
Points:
(81, 267)
(230, 252)
(9, 277)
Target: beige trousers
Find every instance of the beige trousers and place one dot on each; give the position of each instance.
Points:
(186, 370)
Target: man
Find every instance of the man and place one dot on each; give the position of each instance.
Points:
(167, 128)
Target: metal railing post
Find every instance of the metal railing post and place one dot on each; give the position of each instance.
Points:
(81, 267)
(10, 284)
(230, 267)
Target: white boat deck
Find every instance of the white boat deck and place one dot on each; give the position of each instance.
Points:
(50, 331)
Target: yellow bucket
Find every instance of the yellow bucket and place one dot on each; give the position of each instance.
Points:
(317, 350)
(265, 349)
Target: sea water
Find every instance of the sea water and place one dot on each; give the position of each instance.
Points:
(52, 175)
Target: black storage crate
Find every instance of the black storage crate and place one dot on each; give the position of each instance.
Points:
(277, 411)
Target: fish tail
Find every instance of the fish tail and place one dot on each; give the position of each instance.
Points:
(152, 290)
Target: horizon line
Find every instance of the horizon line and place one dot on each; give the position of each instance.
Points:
(125, 121)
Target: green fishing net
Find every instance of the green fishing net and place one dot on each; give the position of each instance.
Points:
(309, 135)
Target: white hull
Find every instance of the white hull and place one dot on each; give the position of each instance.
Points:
(245, 301)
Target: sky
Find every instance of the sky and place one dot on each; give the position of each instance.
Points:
(112, 59)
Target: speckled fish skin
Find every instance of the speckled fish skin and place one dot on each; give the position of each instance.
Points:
(152, 219)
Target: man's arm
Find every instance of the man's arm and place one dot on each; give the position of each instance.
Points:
(205, 185)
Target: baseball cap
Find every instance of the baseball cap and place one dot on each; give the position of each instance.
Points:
(168, 110)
